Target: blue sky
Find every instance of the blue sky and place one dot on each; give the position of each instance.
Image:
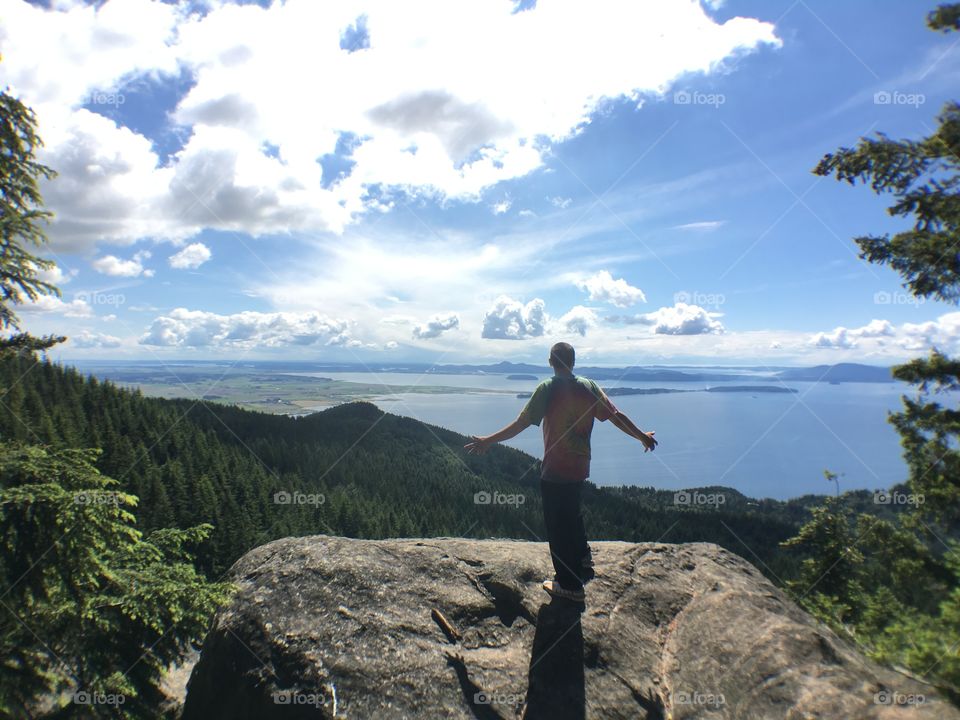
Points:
(473, 181)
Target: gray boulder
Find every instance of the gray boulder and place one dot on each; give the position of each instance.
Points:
(329, 627)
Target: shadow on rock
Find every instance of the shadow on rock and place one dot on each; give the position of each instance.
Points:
(555, 679)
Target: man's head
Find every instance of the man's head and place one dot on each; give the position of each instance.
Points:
(562, 357)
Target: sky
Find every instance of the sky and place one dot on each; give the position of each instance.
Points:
(460, 181)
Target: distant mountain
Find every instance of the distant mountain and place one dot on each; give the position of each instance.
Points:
(842, 372)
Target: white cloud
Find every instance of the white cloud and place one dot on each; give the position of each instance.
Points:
(77, 308)
(510, 319)
(112, 265)
(560, 202)
(197, 328)
(55, 275)
(603, 288)
(578, 320)
(679, 319)
(88, 339)
(436, 326)
(191, 257)
(702, 225)
(846, 338)
(839, 338)
(499, 208)
(526, 213)
(433, 106)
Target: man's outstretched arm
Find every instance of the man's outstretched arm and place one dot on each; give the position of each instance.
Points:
(481, 444)
(627, 426)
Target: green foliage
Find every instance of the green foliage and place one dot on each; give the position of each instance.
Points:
(929, 434)
(92, 607)
(20, 209)
(878, 580)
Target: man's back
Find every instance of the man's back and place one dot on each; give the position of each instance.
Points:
(567, 405)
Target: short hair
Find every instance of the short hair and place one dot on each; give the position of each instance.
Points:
(563, 355)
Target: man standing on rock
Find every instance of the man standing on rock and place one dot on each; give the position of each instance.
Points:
(567, 405)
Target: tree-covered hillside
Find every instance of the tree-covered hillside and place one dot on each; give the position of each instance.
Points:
(351, 470)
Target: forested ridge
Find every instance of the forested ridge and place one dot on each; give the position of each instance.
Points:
(360, 473)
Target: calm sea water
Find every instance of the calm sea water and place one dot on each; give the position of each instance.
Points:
(762, 444)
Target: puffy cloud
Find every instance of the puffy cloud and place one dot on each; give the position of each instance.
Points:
(603, 288)
(578, 320)
(679, 319)
(510, 319)
(112, 265)
(427, 116)
(839, 338)
(436, 326)
(499, 208)
(197, 328)
(87, 339)
(560, 202)
(191, 257)
(55, 275)
(846, 338)
(876, 328)
(77, 308)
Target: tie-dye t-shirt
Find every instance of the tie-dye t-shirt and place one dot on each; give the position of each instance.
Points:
(567, 406)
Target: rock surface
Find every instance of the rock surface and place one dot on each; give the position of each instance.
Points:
(326, 627)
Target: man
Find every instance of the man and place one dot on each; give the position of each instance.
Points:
(567, 405)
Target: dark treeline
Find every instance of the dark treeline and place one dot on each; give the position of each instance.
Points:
(359, 472)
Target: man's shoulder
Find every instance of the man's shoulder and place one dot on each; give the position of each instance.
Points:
(588, 383)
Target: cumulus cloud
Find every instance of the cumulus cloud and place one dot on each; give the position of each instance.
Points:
(603, 288)
(197, 328)
(191, 257)
(436, 326)
(435, 108)
(77, 308)
(679, 319)
(499, 208)
(55, 275)
(560, 202)
(112, 265)
(846, 338)
(578, 320)
(510, 319)
(88, 339)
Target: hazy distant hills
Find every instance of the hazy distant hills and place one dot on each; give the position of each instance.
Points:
(840, 373)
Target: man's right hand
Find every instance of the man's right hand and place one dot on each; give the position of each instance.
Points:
(478, 447)
(649, 443)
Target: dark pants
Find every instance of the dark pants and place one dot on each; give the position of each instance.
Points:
(565, 531)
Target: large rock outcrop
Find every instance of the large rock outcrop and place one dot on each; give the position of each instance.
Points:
(326, 627)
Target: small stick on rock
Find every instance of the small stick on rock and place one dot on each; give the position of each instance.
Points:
(449, 630)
